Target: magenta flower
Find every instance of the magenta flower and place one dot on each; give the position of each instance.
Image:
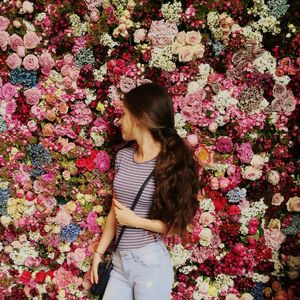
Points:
(224, 144)
(102, 161)
(245, 152)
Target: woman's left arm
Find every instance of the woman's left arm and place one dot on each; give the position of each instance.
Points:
(127, 217)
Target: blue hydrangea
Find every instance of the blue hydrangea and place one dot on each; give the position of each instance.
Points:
(4, 196)
(218, 47)
(84, 57)
(294, 227)
(25, 77)
(70, 233)
(3, 125)
(257, 291)
(235, 195)
(278, 8)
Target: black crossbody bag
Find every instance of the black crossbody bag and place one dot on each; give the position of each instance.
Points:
(105, 267)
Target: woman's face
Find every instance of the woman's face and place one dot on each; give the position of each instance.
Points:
(128, 125)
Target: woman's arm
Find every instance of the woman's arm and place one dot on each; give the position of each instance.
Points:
(127, 217)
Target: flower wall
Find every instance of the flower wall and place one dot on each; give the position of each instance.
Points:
(232, 69)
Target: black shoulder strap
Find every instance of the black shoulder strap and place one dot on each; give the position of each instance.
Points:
(136, 199)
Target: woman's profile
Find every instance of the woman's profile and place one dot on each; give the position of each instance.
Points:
(142, 267)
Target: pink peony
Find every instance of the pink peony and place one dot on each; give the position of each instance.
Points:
(15, 41)
(31, 40)
(10, 107)
(8, 91)
(46, 63)
(31, 62)
(102, 161)
(245, 153)
(224, 144)
(4, 23)
(274, 238)
(33, 96)
(14, 61)
(4, 39)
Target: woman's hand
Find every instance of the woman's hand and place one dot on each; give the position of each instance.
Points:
(94, 272)
(124, 215)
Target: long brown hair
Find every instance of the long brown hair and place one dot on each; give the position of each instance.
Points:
(176, 171)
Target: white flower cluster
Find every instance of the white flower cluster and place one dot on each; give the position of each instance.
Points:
(179, 255)
(207, 205)
(90, 96)
(171, 12)
(21, 252)
(251, 34)
(213, 22)
(204, 71)
(265, 63)
(179, 125)
(223, 282)
(99, 73)
(107, 40)
(255, 209)
(260, 278)
(223, 100)
(259, 9)
(162, 59)
(277, 264)
(79, 28)
(40, 17)
(187, 269)
(267, 24)
(55, 76)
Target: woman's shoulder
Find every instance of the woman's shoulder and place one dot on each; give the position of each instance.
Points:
(126, 150)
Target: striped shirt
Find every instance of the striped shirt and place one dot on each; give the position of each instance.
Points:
(130, 176)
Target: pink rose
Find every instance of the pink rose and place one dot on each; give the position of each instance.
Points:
(68, 59)
(251, 173)
(15, 41)
(102, 161)
(65, 70)
(46, 61)
(95, 16)
(4, 38)
(206, 218)
(31, 40)
(11, 107)
(31, 62)
(293, 204)
(140, 35)
(176, 48)
(8, 91)
(33, 96)
(193, 37)
(181, 37)
(277, 199)
(27, 7)
(273, 177)
(4, 23)
(21, 51)
(67, 81)
(14, 61)
(62, 218)
(186, 54)
(74, 74)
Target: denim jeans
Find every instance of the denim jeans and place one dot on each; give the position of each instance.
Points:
(145, 273)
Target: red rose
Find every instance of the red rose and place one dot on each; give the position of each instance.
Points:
(90, 164)
(218, 199)
(234, 210)
(40, 276)
(25, 277)
(80, 162)
(51, 273)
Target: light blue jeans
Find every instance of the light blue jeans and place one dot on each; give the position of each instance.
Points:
(145, 273)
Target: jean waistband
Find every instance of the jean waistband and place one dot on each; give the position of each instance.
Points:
(149, 248)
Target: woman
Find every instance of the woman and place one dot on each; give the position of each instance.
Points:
(142, 267)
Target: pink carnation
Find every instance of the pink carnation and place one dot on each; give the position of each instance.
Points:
(102, 161)
(14, 61)
(92, 222)
(245, 152)
(224, 144)
(31, 40)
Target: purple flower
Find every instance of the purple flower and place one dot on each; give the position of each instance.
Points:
(245, 153)
(224, 144)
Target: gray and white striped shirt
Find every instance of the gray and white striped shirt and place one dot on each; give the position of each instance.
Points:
(130, 176)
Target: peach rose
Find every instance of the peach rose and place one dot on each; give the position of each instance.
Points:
(31, 62)
(14, 61)
(67, 81)
(181, 37)
(281, 295)
(27, 7)
(4, 39)
(63, 108)
(198, 50)
(65, 70)
(66, 175)
(74, 74)
(206, 218)
(68, 59)
(4, 23)
(15, 41)
(31, 40)
(293, 204)
(274, 224)
(50, 115)
(193, 37)
(186, 54)
(48, 130)
(277, 199)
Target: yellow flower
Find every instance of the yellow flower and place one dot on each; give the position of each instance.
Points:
(70, 207)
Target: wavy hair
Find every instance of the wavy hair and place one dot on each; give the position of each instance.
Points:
(176, 172)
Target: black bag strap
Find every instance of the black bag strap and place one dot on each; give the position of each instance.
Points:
(136, 199)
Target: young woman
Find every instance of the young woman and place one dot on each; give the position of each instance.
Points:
(142, 268)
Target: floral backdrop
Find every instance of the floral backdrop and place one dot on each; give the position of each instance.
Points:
(232, 69)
